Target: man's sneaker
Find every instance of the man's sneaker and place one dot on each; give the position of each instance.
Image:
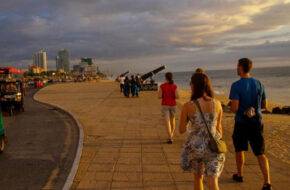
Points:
(237, 178)
(267, 187)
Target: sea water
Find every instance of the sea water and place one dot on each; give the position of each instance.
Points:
(276, 81)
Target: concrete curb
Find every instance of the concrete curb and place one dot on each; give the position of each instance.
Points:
(76, 162)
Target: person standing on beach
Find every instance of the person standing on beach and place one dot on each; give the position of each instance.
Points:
(122, 83)
(127, 87)
(197, 156)
(248, 97)
(138, 83)
(133, 86)
(168, 93)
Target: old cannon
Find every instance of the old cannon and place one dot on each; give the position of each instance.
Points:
(147, 80)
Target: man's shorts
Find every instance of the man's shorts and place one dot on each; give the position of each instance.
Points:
(168, 110)
(244, 134)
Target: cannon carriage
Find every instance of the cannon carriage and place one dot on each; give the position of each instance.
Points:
(148, 83)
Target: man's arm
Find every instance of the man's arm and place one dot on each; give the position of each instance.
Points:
(264, 104)
(235, 106)
(234, 97)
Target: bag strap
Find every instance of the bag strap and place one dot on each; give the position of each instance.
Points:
(204, 120)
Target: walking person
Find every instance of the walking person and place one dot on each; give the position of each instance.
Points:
(168, 92)
(122, 83)
(248, 97)
(139, 84)
(133, 86)
(127, 87)
(197, 157)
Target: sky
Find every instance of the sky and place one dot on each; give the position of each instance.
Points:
(140, 35)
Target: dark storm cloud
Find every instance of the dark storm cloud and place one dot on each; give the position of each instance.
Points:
(178, 33)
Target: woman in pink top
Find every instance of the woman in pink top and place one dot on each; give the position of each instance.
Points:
(168, 93)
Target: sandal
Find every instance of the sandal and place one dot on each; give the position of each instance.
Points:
(238, 178)
(267, 187)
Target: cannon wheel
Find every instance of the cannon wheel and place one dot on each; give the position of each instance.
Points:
(2, 144)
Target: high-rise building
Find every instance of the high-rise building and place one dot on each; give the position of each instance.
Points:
(63, 60)
(86, 67)
(39, 60)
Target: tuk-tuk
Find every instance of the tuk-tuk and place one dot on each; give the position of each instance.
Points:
(12, 95)
(3, 138)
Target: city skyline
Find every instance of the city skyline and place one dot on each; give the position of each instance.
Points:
(63, 60)
(39, 60)
(146, 34)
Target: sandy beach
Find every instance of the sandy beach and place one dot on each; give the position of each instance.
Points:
(124, 141)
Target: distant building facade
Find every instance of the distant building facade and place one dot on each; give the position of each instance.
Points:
(39, 60)
(63, 60)
(86, 67)
(35, 69)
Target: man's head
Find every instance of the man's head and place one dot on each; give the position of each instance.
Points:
(245, 66)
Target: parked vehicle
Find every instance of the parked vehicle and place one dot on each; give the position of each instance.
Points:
(30, 83)
(12, 73)
(38, 83)
(12, 89)
(12, 95)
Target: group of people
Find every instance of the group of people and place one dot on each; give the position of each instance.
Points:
(130, 86)
(201, 117)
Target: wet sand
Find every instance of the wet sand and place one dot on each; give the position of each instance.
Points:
(124, 141)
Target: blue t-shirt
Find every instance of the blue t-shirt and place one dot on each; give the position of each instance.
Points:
(247, 91)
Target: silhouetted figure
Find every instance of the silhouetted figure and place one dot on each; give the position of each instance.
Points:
(127, 87)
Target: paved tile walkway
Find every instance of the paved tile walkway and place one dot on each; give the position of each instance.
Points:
(124, 146)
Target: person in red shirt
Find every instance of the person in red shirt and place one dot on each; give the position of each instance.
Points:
(168, 93)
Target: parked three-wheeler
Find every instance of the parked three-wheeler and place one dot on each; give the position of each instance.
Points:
(12, 95)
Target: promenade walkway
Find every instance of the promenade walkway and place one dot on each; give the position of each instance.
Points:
(124, 145)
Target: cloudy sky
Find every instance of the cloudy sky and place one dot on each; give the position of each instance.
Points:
(143, 34)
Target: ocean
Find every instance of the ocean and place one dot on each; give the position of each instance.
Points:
(276, 81)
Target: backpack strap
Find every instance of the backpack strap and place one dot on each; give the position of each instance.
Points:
(261, 93)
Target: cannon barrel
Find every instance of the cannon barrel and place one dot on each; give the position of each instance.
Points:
(121, 75)
(151, 73)
(124, 73)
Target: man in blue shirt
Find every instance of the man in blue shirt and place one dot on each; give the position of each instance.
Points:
(248, 98)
